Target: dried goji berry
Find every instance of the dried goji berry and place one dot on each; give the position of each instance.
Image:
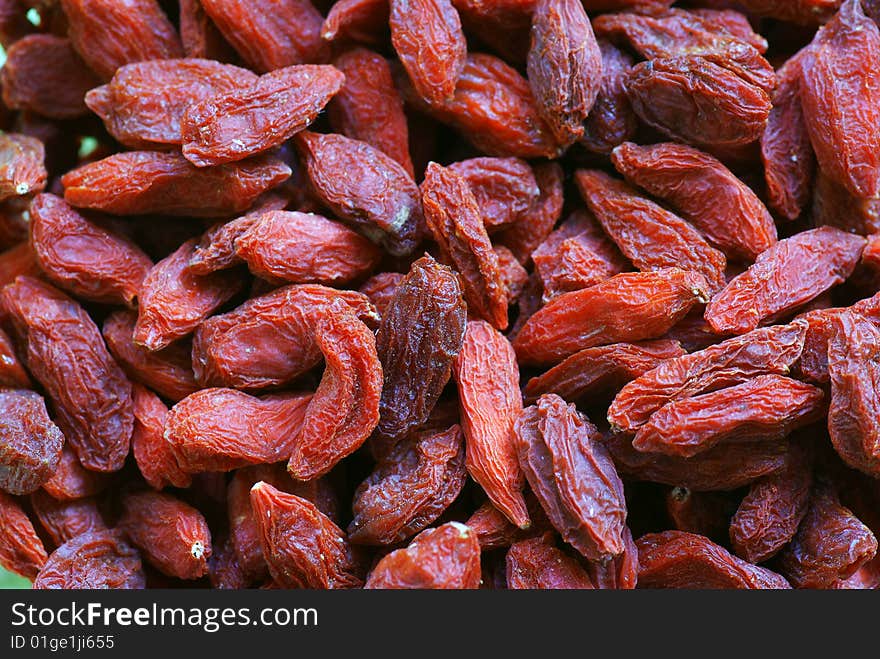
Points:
(676, 559)
(138, 182)
(93, 560)
(198, 34)
(704, 191)
(454, 220)
(628, 307)
(64, 351)
(72, 481)
(536, 563)
(805, 12)
(564, 66)
(365, 188)
(152, 452)
(381, 289)
(739, 359)
(224, 429)
(487, 376)
(82, 257)
(446, 557)
(611, 120)
(495, 531)
(64, 520)
(513, 275)
(21, 550)
(503, 25)
(505, 188)
(22, 168)
(302, 547)
(172, 535)
(345, 408)
(143, 105)
(269, 34)
(648, 235)
(30, 443)
(573, 476)
(362, 21)
(537, 222)
(834, 205)
(12, 373)
(789, 274)
(140, 32)
(268, 340)
(43, 74)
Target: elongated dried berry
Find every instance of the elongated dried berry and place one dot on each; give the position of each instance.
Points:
(537, 564)
(12, 373)
(628, 307)
(365, 188)
(611, 120)
(82, 257)
(152, 452)
(22, 168)
(487, 376)
(446, 557)
(65, 353)
(345, 408)
(302, 547)
(787, 275)
(21, 550)
(676, 559)
(705, 192)
(421, 333)
(243, 122)
(65, 520)
(564, 66)
(573, 476)
(72, 481)
(172, 535)
(505, 188)
(224, 429)
(93, 560)
(30, 443)
(537, 222)
(410, 488)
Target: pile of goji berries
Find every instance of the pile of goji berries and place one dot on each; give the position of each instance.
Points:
(440, 293)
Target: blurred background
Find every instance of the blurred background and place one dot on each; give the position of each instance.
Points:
(9, 580)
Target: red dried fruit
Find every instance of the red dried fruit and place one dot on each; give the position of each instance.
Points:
(647, 234)
(381, 289)
(21, 550)
(152, 452)
(84, 258)
(345, 408)
(704, 191)
(621, 573)
(302, 248)
(725, 467)
(268, 340)
(495, 531)
(12, 373)
(410, 488)
(64, 520)
(454, 220)
(18, 260)
(30, 443)
(65, 353)
(198, 34)
(853, 368)
(504, 188)
(676, 559)
(487, 376)
(363, 21)
(840, 94)
(302, 547)
(172, 301)
(240, 123)
(698, 101)
(22, 171)
(428, 39)
(831, 543)
(224, 429)
(493, 108)
(503, 25)
(172, 535)
(168, 372)
(144, 104)
(369, 107)
(269, 34)
(787, 275)
(834, 205)
(786, 151)
(43, 74)
(535, 563)
(537, 222)
(769, 515)
(446, 557)
(739, 359)
(572, 474)
(216, 248)
(421, 333)
(768, 407)
(629, 307)
(72, 481)
(140, 32)
(564, 66)
(364, 187)
(139, 182)
(611, 120)
(513, 274)
(594, 372)
(94, 560)
(803, 12)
